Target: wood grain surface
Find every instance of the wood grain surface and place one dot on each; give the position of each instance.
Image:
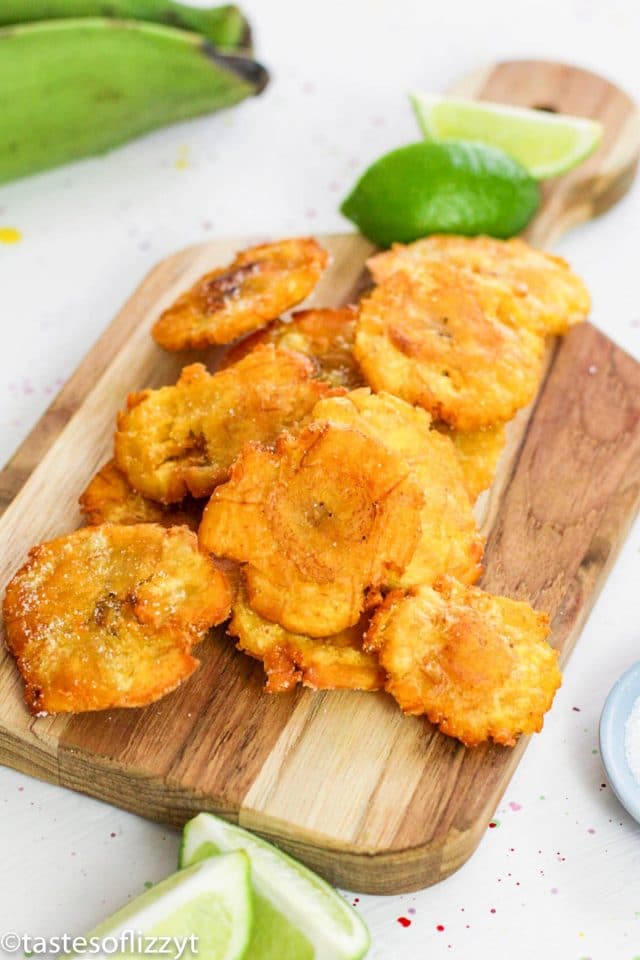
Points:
(374, 800)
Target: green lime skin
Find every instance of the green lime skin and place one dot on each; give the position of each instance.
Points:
(446, 187)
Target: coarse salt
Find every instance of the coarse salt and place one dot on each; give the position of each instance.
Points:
(632, 740)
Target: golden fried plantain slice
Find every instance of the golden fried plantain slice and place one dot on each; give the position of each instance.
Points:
(324, 334)
(326, 515)
(183, 439)
(337, 662)
(260, 284)
(449, 541)
(107, 616)
(437, 340)
(477, 665)
(552, 298)
(109, 498)
(478, 453)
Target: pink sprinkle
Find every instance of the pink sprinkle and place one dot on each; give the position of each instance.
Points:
(515, 806)
(493, 910)
(553, 890)
(590, 830)
(412, 911)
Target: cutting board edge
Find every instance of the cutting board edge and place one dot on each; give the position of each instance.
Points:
(382, 872)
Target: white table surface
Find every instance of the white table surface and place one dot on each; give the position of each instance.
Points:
(559, 876)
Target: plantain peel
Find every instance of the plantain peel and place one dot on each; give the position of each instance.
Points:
(326, 515)
(478, 666)
(449, 540)
(108, 616)
(336, 662)
(260, 284)
(549, 296)
(109, 498)
(439, 340)
(324, 334)
(182, 439)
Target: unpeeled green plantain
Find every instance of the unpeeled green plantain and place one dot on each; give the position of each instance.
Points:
(224, 26)
(72, 88)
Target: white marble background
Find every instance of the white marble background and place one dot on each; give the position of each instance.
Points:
(559, 876)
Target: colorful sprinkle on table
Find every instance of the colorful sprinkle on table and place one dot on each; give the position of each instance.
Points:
(10, 235)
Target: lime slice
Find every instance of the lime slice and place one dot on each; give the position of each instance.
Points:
(297, 915)
(547, 144)
(206, 912)
(452, 187)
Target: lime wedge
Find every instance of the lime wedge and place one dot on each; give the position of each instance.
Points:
(297, 915)
(547, 144)
(205, 911)
(452, 187)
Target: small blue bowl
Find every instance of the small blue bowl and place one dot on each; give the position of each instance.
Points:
(617, 708)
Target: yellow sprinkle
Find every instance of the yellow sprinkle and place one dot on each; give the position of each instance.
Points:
(182, 161)
(10, 235)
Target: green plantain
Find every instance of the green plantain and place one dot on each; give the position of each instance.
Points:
(223, 26)
(72, 88)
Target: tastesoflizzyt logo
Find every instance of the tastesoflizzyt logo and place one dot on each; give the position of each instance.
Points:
(126, 941)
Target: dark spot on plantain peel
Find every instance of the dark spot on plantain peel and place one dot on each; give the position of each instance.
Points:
(244, 68)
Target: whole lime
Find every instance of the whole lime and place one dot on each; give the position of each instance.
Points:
(446, 187)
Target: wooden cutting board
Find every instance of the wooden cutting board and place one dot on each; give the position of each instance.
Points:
(373, 800)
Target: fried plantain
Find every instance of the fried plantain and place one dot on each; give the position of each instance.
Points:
(107, 616)
(550, 296)
(260, 284)
(182, 439)
(437, 340)
(478, 666)
(478, 453)
(324, 334)
(326, 515)
(109, 498)
(336, 662)
(449, 540)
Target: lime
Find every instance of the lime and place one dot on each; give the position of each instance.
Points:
(547, 144)
(206, 912)
(453, 187)
(297, 915)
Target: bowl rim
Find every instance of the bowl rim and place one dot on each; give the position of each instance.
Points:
(617, 708)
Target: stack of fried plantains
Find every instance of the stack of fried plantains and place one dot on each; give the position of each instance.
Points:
(330, 469)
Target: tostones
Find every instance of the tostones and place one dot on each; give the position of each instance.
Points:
(449, 540)
(326, 515)
(324, 334)
(260, 284)
(550, 295)
(437, 341)
(337, 662)
(478, 666)
(109, 498)
(182, 439)
(478, 452)
(107, 616)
